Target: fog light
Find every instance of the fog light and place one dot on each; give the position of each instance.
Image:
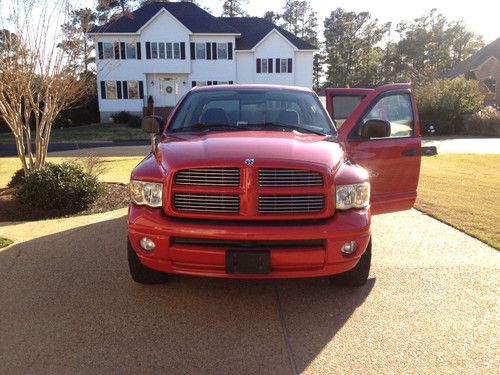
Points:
(349, 247)
(147, 244)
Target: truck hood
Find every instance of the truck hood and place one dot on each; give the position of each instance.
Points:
(267, 148)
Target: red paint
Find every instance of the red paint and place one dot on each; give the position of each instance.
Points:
(393, 179)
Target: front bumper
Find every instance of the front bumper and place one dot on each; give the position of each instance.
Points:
(173, 256)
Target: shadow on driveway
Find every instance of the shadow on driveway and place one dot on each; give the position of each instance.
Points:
(69, 305)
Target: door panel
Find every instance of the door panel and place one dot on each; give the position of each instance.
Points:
(393, 162)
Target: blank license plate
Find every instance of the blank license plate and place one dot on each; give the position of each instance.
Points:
(248, 261)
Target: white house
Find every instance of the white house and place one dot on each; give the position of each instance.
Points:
(162, 50)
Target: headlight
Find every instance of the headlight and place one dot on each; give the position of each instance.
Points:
(353, 196)
(146, 193)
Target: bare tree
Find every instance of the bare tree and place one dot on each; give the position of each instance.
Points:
(37, 79)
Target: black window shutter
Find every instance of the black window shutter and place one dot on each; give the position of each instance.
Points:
(208, 51)
(101, 51)
(258, 65)
(122, 50)
(183, 51)
(103, 89)
(193, 83)
(230, 51)
(192, 53)
(125, 90)
(289, 65)
(278, 66)
(148, 50)
(138, 44)
(209, 83)
(141, 90)
(214, 51)
(230, 82)
(214, 82)
(118, 90)
(269, 65)
(116, 46)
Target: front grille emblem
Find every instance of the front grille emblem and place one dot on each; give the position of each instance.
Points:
(249, 161)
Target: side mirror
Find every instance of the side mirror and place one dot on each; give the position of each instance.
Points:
(152, 124)
(376, 129)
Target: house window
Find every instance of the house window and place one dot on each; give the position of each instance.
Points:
(177, 51)
(490, 84)
(284, 65)
(154, 50)
(108, 51)
(222, 51)
(264, 68)
(111, 90)
(161, 50)
(169, 50)
(133, 90)
(131, 51)
(201, 52)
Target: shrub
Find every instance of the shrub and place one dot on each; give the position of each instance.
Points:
(60, 186)
(444, 103)
(121, 117)
(485, 122)
(134, 122)
(17, 179)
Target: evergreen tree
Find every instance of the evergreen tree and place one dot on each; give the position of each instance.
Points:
(233, 8)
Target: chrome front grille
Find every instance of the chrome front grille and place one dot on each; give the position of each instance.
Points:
(208, 177)
(223, 203)
(289, 177)
(274, 204)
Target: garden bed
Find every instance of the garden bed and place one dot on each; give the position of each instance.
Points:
(117, 196)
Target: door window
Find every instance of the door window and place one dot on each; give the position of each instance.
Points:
(397, 110)
(342, 107)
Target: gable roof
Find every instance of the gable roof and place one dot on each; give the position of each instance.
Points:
(476, 60)
(254, 29)
(190, 15)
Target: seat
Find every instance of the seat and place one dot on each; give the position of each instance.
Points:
(288, 118)
(214, 116)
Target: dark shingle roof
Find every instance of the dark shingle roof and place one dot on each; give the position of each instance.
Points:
(253, 29)
(190, 15)
(474, 61)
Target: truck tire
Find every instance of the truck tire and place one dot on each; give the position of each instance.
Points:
(359, 274)
(142, 274)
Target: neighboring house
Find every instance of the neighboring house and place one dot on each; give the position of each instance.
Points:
(484, 66)
(162, 50)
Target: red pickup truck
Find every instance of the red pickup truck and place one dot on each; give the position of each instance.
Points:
(256, 181)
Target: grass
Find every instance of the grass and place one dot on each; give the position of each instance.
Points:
(92, 133)
(117, 168)
(462, 191)
(4, 242)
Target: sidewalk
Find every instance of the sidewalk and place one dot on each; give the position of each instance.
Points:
(464, 145)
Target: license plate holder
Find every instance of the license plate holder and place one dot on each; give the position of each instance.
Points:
(248, 261)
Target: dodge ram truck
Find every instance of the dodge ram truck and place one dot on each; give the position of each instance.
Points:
(260, 181)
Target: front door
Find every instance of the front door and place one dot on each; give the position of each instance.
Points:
(393, 162)
(164, 89)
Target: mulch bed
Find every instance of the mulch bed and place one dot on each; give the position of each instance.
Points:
(11, 209)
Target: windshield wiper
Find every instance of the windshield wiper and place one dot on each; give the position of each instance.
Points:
(288, 127)
(207, 127)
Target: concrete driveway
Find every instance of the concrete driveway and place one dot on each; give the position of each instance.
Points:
(68, 305)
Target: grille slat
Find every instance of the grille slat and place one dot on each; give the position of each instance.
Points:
(206, 202)
(291, 203)
(209, 177)
(289, 177)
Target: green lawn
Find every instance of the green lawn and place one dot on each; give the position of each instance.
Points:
(96, 132)
(117, 168)
(462, 190)
(4, 242)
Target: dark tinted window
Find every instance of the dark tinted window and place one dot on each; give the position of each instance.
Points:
(343, 106)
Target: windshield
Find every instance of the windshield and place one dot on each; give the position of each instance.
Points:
(252, 109)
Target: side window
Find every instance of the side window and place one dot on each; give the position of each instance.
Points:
(342, 107)
(397, 110)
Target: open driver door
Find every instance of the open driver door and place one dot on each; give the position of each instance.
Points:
(382, 134)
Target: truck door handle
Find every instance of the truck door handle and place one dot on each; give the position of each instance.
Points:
(410, 152)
